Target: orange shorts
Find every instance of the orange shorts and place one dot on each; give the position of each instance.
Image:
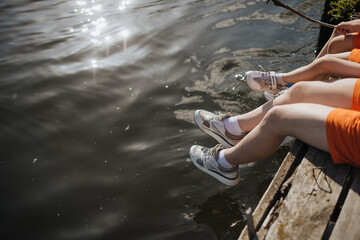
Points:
(355, 55)
(343, 132)
(356, 40)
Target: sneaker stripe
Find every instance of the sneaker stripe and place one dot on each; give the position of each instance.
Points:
(228, 178)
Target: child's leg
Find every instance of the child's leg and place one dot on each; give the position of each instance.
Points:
(338, 46)
(303, 121)
(341, 44)
(336, 65)
(337, 43)
(325, 48)
(336, 94)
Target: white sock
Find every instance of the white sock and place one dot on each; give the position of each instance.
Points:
(232, 126)
(279, 79)
(222, 160)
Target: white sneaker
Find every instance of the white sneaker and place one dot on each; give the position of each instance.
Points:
(269, 96)
(263, 81)
(206, 160)
(213, 125)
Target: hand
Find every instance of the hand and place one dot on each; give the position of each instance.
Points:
(342, 29)
(348, 27)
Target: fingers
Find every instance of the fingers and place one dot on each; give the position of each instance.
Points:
(342, 30)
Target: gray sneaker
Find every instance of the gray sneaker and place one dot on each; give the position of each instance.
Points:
(206, 160)
(263, 81)
(213, 125)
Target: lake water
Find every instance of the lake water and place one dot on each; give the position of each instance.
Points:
(97, 100)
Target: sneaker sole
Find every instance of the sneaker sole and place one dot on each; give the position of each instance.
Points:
(223, 179)
(218, 137)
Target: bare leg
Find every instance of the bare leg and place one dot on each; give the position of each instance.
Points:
(324, 50)
(304, 121)
(337, 43)
(335, 64)
(341, 44)
(337, 93)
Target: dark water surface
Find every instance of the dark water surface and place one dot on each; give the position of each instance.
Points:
(96, 103)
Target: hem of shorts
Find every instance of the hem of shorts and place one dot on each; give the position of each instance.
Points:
(329, 137)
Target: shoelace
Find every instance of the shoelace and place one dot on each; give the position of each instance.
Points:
(218, 117)
(273, 84)
(262, 68)
(269, 80)
(212, 151)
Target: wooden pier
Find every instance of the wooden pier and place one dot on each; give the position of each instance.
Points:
(309, 198)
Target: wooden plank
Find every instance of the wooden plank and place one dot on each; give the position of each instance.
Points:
(347, 225)
(269, 197)
(307, 208)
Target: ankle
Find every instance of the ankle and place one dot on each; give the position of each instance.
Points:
(222, 160)
(232, 126)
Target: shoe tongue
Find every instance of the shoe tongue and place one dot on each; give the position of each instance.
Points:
(224, 115)
(217, 148)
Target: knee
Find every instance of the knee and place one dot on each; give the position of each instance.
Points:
(322, 65)
(335, 33)
(272, 118)
(295, 94)
(336, 44)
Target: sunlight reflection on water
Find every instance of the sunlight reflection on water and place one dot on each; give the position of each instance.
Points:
(96, 26)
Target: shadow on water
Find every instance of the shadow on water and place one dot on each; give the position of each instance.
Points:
(222, 214)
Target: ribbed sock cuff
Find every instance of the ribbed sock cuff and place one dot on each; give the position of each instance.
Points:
(222, 160)
(279, 78)
(232, 126)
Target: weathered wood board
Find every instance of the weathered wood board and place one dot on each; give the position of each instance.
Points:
(266, 201)
(306, 210)
(347, 225)
(303, 204)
